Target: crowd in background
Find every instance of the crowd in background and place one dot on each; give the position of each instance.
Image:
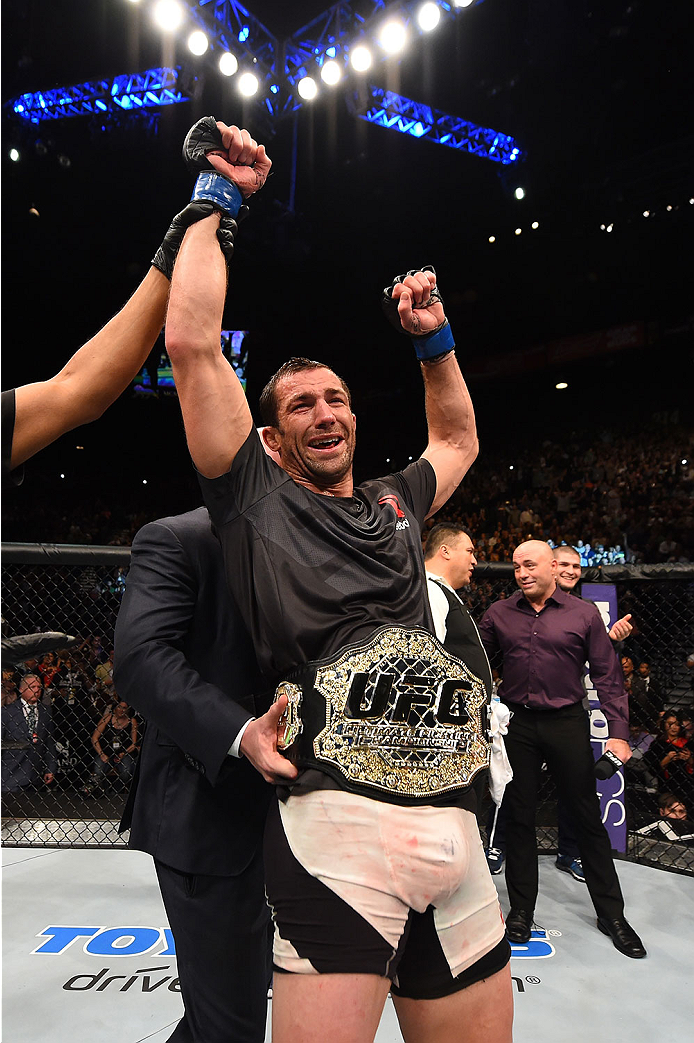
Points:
(626, 498)
(618, 498)
(91, 736)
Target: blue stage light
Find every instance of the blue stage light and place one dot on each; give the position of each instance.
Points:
(144, 90)
(393, 111)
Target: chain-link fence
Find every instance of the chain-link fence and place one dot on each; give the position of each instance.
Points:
(86, 742)
(65, 771)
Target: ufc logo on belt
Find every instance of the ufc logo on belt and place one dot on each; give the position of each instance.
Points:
(408, 699)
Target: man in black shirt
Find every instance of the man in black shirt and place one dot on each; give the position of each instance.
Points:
(329, 579)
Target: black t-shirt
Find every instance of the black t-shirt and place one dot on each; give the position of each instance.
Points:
(311, 572)
(9, 478)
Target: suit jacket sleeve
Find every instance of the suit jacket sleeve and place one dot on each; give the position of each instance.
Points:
(151, 670)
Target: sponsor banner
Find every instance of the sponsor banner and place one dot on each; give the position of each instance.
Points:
(610, 791)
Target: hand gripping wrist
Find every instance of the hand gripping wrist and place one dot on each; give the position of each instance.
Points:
(165, 257)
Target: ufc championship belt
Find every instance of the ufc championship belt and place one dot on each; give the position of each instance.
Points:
(397, 718)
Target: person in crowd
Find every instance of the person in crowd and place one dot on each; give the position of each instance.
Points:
(640, 708)
(49, 670)
(672, 758)
(542, 638)
(115, 744)
(9, 687)
(318, 565)
(104, 671)
(184, 658)
(638, 769)
(29, 759)
(674, 822)
(687, 723)
(654, 688)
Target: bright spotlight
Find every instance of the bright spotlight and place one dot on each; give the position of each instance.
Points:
(307, 88)
(428, 17)
(684, 462)
(197, 42)
(609, 228)
(463, 3)
(14, 155)
(248, 84)
(492, 238)
(561, 385)
(518, 231)
(646, 213)
(331, 73)
(535, 224)
(393, 37)
(228, 64)
(168, 14)
(668, 208)
(361, 59)
(519, 193)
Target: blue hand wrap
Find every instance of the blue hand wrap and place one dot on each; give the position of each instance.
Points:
(218, 189)
(433, 344)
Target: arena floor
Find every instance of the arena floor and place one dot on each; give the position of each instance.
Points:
(570, 983)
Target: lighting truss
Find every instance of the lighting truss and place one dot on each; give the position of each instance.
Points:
(279, 65)
(326, 35)
(393, 111)
(144, 90)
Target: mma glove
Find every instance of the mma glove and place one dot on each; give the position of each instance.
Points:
(165, 257)
(431, 346)
(202, 138)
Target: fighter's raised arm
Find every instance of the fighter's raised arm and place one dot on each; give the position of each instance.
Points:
(231, 166)
(34, 415)
(452, 445)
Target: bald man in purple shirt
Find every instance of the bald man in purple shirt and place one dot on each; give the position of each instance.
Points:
(543, 637)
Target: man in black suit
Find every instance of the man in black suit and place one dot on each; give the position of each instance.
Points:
(184, 659)
(29, 757)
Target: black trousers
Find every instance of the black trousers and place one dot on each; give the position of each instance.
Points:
(223, 934)
(562, 739)
(566, 837)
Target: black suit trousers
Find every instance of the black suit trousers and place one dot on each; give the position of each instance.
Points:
(562, 739)
(223, 934)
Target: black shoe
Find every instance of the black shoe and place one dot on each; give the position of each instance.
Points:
(519, 924)
(623, 936)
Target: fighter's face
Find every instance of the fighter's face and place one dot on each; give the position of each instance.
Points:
(316, 428)
(568, 569)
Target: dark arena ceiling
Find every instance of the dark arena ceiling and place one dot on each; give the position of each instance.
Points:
(597, 94)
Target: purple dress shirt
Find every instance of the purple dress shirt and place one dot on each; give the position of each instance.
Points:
(544, 654)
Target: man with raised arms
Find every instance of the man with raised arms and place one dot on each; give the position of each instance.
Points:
(374, 867)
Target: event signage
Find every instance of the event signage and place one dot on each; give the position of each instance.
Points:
(610, 791)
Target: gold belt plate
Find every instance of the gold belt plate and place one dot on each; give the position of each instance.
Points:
(403, 716)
